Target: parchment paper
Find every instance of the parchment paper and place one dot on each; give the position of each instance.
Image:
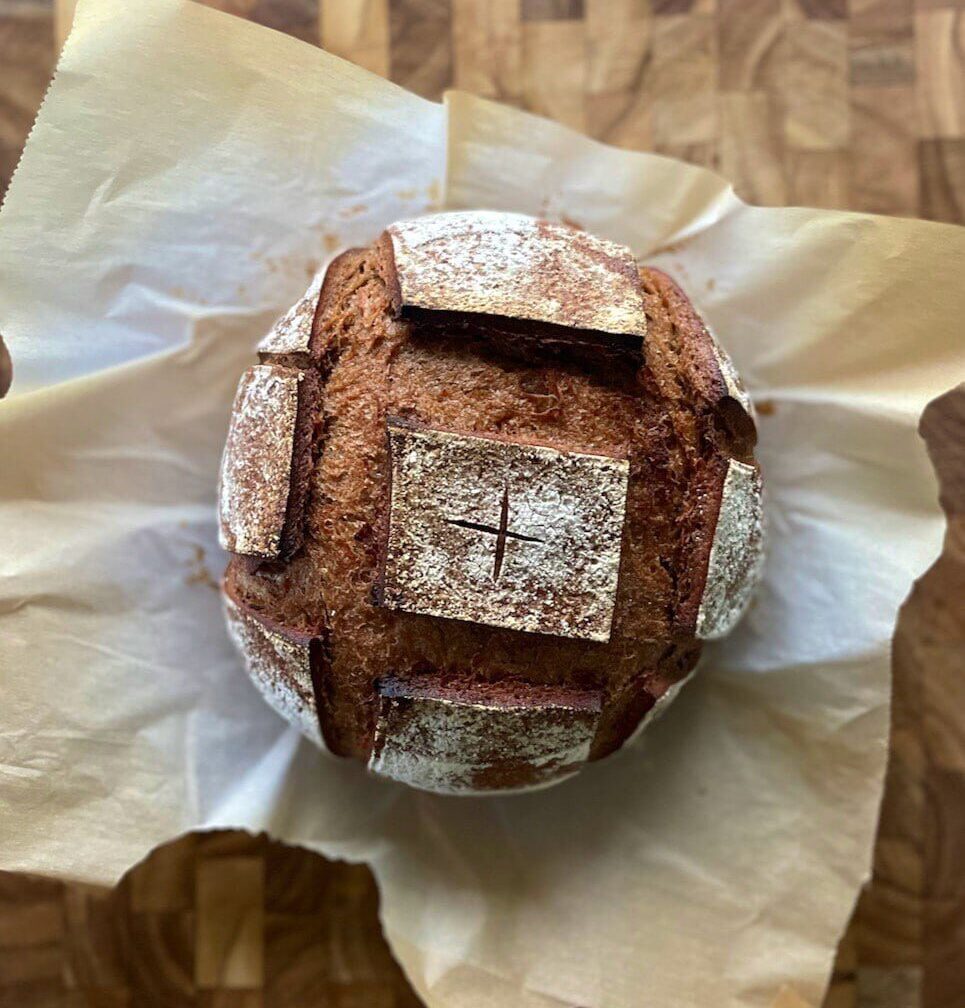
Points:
(187, 174)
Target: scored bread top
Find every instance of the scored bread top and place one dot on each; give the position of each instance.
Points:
(292, 333)
(514, 535)
(458, 739)
(676, 413)
(736, 553)
(256, 468)
(279, 663)
(510, 266)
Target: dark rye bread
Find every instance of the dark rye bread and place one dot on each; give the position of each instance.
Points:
(480, 737)
(267, 463)
(671, 409)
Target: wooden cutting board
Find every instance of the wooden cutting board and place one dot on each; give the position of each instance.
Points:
(839, 103)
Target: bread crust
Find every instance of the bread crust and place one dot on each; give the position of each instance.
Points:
(713, 378)
(464, 738)
(560, 579)
(281, 662)
(722, 525)
(736, 552)
(267, 462)
(674, 410)
(518, 274)
(291, 336)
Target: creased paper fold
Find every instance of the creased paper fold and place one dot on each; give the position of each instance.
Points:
(188, 173)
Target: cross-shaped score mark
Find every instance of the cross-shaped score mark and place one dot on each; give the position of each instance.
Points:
(565, 511)
(502, 533)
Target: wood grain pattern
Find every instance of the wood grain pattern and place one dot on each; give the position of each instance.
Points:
(881, 42)
(553, 71)
(420, 53)
(941, 168)
(837, 103)
(854, 103)
(358, 32)
(218, 920)
(884, 174)
(940, 48)
(26, 63)
(487, 49)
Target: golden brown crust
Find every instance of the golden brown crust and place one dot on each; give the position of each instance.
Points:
(718, 417)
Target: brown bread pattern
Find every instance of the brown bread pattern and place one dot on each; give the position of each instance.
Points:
(675, 411)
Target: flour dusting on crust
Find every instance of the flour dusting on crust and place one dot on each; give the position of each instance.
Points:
(278, 665)
(512, 535)
(256, 467)
(514, 266)
(732, 379)
(452, 745)
(292, 333)
(737, 553)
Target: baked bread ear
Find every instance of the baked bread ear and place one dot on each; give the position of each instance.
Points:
(714, 380)
(290, 338)
(736, 551)
(488, 489)
(512, 273)
(721, 523)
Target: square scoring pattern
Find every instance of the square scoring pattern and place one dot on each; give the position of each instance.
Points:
(511, 535)
(454, 741)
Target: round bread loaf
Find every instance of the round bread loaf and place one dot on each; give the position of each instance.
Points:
(488, 489)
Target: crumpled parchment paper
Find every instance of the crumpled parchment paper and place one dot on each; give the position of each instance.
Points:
(187, 174)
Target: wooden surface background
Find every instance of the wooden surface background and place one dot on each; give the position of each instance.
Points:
(838, 103)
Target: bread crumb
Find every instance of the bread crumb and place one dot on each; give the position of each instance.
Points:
(200, 575)
(359, 208)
